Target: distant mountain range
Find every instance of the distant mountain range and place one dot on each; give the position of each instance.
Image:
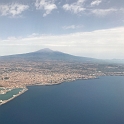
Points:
(50, 55)
(121, 61)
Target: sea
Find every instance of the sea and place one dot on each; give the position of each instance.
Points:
(94, 101)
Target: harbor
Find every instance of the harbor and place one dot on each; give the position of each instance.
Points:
(7, 94)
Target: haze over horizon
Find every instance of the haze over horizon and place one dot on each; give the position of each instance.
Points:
(89, 28)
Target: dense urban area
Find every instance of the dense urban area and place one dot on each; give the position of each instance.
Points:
(14, 74)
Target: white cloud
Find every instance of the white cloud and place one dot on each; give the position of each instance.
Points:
(103, 12)
(11, 38)
(96, 2)
(81, 6)
(122, 10)
(73, 27)
(47, 5)
(107, 43)
(76, 7)
(12, 9)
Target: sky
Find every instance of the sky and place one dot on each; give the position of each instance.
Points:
(89, 28)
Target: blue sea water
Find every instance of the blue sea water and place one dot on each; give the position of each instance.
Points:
(96, 101)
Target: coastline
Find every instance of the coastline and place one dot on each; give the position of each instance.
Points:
(41, 84)
(68, 80)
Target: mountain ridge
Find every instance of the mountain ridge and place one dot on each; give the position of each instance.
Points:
(44, 50)
(48, 54)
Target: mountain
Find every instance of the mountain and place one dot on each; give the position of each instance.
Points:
(49, 55)
(119, 61)
(45, 50)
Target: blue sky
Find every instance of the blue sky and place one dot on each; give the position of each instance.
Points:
(92, 28)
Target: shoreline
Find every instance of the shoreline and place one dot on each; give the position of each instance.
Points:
(40, 84)
(57, 83)
(43, 84)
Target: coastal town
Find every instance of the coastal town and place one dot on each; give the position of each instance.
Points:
(19, 72)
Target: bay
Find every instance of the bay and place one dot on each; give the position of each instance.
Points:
(96, 101)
